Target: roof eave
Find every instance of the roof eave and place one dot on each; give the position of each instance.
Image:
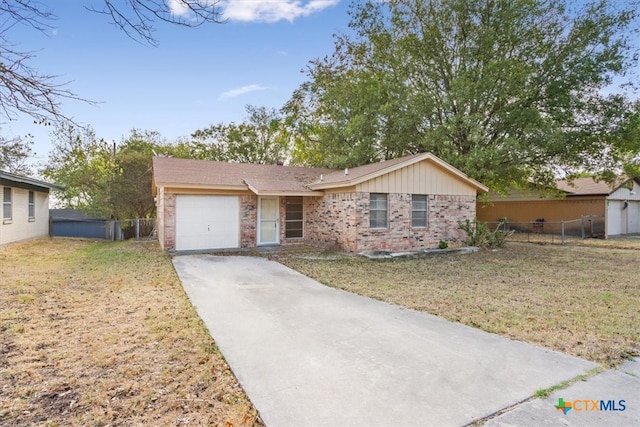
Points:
(30, 181)
(288, 193)
(327, 186)
(183, 185)
(259, 192)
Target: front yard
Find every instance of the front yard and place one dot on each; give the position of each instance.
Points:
(103, 334)
(97, 334)
(583, 301)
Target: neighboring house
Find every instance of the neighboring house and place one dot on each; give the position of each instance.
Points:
(617, 206)
(403, 204)
(74, 223)
(25, 207)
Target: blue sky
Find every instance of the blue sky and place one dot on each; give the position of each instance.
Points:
(194, 78)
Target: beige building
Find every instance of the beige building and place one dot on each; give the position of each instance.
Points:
(617, 206)
(402, 204)
(25, 207)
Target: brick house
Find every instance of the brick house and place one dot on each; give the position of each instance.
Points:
(25, 207)
(402, 204)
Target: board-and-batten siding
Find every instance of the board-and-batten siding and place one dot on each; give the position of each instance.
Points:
(419, 178)
(623, 193)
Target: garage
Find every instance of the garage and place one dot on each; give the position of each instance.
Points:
(207, 222)
(623, 217)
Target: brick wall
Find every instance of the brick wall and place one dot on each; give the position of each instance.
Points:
(167, 220)
(444, 214)
(248, 220)
(330, 221)
(340, 221)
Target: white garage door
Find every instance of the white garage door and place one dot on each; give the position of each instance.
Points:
(615, 218)
(207, 222)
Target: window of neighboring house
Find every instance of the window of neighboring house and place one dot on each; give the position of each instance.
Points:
(293, 218)
(378, 211)
(6, 204)
(32, 206)
(418, 210)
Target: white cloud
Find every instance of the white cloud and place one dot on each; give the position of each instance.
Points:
(272, 11)
(178, 7)
(241, 91)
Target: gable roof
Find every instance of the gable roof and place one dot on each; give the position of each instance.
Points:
(13, 180)
(357, 175)
(271, 180)
(261, 179)
(588, 186)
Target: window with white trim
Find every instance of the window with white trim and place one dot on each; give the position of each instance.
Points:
(7, 213)
(32, 206)
(418, 210)
(378, 210)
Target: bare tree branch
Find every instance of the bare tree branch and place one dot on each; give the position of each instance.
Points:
(26, 12)
(23, 90)
(137, 19)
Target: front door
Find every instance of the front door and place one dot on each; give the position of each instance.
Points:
(268, 230)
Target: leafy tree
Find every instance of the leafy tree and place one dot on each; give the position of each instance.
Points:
(85, 166)
(508, 91)
(14, 153)
(101, 178)
(24, 89)
(130, 193)
(262, 138)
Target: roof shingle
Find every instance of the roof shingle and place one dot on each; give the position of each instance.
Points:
(587, 186)
(263, 178)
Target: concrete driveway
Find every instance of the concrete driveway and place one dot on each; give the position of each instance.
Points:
(310, 355)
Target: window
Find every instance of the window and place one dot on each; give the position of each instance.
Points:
(32, 206)
(378, 211)
(293, 218)
(6, 203)
(418, 210)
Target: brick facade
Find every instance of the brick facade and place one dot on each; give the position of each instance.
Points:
(248, 221)
(331, 221)
(445, 212)
(340, 221)
(166, 207)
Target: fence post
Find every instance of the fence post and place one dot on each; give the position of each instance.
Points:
(562, 232)
(591, 224)
(582, 226)
(137, 228)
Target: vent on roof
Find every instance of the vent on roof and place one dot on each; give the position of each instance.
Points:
(346, 171)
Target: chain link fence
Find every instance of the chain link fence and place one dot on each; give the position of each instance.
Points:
(139, 228)
(554, 232)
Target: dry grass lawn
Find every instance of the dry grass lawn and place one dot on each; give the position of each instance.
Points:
(583, 301)
(102, 334)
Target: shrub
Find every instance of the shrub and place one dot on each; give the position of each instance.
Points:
(479, 234)
(443, 245)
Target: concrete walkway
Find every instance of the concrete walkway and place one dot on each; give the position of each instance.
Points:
(310, 355)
